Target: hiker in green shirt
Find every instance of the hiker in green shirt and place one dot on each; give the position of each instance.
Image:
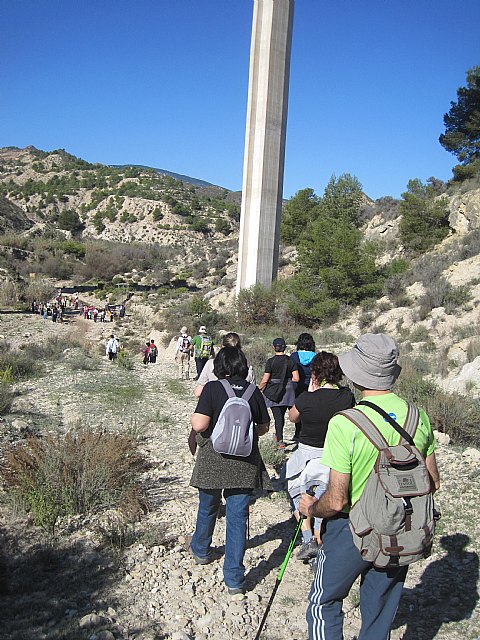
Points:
(202, 348)
(372, 367)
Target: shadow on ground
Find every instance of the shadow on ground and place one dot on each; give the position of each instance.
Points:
(46, 589)
(447, 592)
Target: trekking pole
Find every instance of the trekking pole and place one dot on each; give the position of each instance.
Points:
(280, 575)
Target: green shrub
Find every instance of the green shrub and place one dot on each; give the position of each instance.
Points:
(83, 362)
(6, 397)
(412, 384)
(455, 414)
(125, 360)
(256, 306)
(419, 334)
(20, 364)
(77, 472)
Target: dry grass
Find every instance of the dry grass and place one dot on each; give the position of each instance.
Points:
(79, 472)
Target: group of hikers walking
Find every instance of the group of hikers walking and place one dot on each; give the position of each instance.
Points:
(200, 347)
(333, 477)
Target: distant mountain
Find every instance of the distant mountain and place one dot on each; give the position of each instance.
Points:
(164, 172)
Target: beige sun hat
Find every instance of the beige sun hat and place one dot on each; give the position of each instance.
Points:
(372, 362)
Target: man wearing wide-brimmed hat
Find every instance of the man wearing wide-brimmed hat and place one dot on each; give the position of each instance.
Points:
(373, 368)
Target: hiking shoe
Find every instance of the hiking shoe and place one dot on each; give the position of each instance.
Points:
(308, 550)
(312, 563)
(207, 560)
(236, 591)
(211, 557)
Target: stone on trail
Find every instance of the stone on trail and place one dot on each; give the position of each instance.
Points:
(180, 635)
(92, 620)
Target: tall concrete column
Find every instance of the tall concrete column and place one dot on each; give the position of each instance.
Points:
(264, 158)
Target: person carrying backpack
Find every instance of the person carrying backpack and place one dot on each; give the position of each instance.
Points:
(146, 353)
(351, 456)
(202, 347)
(278, 386)
(111, 348)
(236, 476)
(153, 353)
(183, 353)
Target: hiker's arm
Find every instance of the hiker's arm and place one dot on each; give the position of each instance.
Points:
(432, 469)
(263, 428)
(331, 502)
(197, 392)
(295, 376)
(199, 422)
(294, 414)
(263, 381)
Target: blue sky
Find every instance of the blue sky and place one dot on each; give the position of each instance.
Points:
(164, 83)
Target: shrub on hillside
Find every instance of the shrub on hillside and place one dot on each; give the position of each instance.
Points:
(440, 293)
(456, 415)
(425, 217)
(9, 294)
(450, 413)
(256, 306)
(79, 472)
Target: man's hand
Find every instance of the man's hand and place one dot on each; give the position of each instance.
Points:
(306, 505)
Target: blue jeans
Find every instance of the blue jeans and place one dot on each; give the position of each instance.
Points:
(339, 563)
(236, 536)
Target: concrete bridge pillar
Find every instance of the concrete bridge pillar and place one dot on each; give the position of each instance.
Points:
(264, 158)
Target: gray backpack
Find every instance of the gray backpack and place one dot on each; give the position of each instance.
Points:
(393, 522)
(233, 432)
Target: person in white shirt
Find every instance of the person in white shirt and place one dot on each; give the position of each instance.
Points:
(182, 354)
(112, 347)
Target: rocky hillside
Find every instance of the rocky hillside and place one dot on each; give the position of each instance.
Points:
(57, 191)
(12, 218)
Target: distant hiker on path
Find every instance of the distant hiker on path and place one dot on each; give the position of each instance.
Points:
(278, 386)
(146, 353)
(153, 352)
(202, 346)
(372, 367)
(215, 473)
(111, 348)
(231, 339)
(182, 354)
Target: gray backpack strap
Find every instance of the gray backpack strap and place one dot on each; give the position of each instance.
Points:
(366, 426)
(247, 394)
(228, 389)
(249, 391)
(412, 419)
